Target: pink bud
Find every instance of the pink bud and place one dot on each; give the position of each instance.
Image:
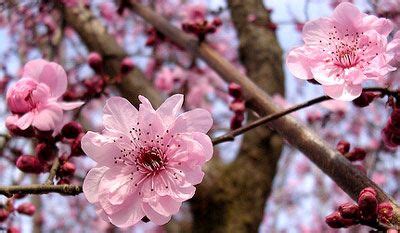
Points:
(343, 147)
(67, 169)
(235, 90)
(63, 181)
(29, 164)
(385, 212)
(26, 208)
(13, 230)
(71, 130)
(217, 22)
(3, 215)
(95, 61)
(368, 190)
(127, 66)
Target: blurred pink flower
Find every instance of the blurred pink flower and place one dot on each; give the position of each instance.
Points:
(147, 160)
(343, 51)
(166, 78)
(34, 99)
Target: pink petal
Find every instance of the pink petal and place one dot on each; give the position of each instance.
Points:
(49, 73)
(100, 148)
(347, 15)
(299, 63)
(343, 92)
(91, 183)
(165, 205)
(70, 105)
(317, 31)
(119, 115)
(145, 105)
(154, 216)
(130, 213)
(196, 120)
(25, 121)
(48, 118)
(170, 108)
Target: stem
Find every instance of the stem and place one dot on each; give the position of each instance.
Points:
(53, 171)
(230, 136)
(41, 189)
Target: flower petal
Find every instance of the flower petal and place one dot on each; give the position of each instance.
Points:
(170, 108)
(91, 183)
(196, 120)
(48, 118)
(119, 115)
(154, 216)
(100, 148)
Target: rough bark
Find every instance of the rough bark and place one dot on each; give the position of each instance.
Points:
(237, 201)
(96, 38)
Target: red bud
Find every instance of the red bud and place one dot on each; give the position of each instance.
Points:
(343, 147)
(349, 211)
(29, 164)
(356, 154)
(26, 208)
(3, 215)
(95, 61)
(71, 130)
(127, 65)
(385, 212)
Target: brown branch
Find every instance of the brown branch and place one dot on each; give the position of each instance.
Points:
(348, 177)
(230, 136)
(40, 189)
(53, 171)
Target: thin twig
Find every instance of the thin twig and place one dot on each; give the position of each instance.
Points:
(40, 189)
(230, 136)
(53, 171)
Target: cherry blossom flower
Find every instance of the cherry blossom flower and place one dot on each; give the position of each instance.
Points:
(34, 99)
(343, 51)
(147, 160)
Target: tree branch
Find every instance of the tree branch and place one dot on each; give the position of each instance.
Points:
(40, 189)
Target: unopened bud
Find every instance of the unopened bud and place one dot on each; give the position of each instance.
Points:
(95, 61)
(368, 205)
(335, 220)
(26, 208)
(71, 130)
(44, 152)
(235, 90)
(29, 164)
(343, 147)
(356, 154)
(127, 66)
(3, 215)
(237, 106)
(67, 169)
(349, 211)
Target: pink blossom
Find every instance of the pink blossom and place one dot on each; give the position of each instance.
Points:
(166, 78)
(147, 160)
(343, 51)
(34, 99)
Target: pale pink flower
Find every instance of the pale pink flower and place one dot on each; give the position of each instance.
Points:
(147, 160)
(343, 51)
(335, 3)
(34, 99)
(167, 77)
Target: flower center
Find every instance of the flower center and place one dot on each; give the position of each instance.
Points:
(347, 49)
(151, 159)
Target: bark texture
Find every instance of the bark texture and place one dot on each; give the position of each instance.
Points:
(236, 201)
(96, 38)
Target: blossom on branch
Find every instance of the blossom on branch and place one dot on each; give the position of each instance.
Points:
(34, 99)
(147, 160)
(343, 51)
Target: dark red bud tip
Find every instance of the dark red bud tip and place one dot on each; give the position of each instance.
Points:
(26, 208)
(127, 66)
(44, 152)
(385, 212)
(29, 164)
(67, 169)
(19, 196)
(368, 190)
(71, 130)
(3, 215)
(64, 181)
(237, 106)
(272, 26)
(335, 220)
(349, 211)
(343, 147)
(356, 154)
(364, 99)
(95, 61)
(217, 22)
(235, 90)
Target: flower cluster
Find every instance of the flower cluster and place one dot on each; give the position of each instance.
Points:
(147, 160)
(237, 105)
(366, 212)
(34, 99)
(201, 28)
(344, 51)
